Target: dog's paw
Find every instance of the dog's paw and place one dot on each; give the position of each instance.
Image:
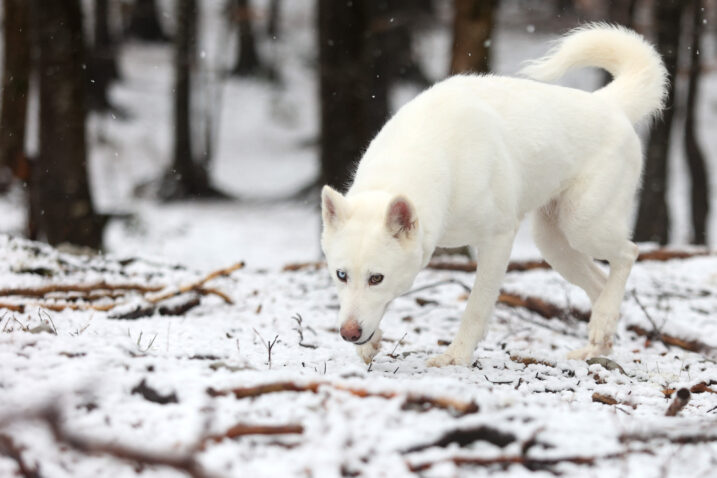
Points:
(369, 350)
(590, 351)
(449, 358)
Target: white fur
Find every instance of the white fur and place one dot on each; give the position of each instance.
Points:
(471, 156)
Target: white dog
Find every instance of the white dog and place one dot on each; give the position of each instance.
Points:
(467, 159)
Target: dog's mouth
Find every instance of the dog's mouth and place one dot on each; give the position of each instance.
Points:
(369, 338)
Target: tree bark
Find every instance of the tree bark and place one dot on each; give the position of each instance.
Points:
(144, 22)
(15, 84)
(695, 157)
(60, 188)
(472, 35)
(102, 68)
(653, 219)
(187, 177)
(353, 85)
(272, 25)
(248, 62)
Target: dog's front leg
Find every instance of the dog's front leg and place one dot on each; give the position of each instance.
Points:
(493, 257)
(369, 350)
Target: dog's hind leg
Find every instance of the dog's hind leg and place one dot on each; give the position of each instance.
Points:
(574, 266)
(493, 257)
(594, 216)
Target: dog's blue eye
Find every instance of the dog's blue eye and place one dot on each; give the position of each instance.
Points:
(341, 275)
(375, 279)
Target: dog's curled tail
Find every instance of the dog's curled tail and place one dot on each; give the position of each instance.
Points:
(640, 78)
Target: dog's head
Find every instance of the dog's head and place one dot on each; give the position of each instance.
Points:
(372, 243)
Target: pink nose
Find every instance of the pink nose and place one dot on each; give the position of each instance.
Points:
(351, 330)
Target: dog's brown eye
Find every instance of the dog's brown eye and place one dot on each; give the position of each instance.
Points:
(375, 279)
(341, 275)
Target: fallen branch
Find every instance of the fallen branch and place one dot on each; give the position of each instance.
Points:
(411, 401)
(103, 290)
(50, 416)
(241, 430)
(199, 285)
(532, 464)
(541, 307)
(691, 345)
(9, 449)
(606, 399)
(681, 399)
(522, 266)
(84, 289)
(466, 436)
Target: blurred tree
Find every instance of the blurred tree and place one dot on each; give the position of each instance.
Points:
(272, 25)
(401, 18)
(653, 222)
(102, 66)
(622, 12)
(60, 201)
(248, 62)
(144, 22)
(187, 176)
(472, 35)
(693, 152)
(15, 83)
(353, 84)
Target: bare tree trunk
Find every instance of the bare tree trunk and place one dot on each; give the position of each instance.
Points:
(144, 22)
(187, 177)
(472, 35)
(652, 219)
(15, 83)
(102, 68)
(60, 186)
(272, 25)
(621, 12)
(695, 157)
(353, 88)
(248, 62)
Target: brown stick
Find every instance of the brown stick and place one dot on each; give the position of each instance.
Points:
(521, 266)
(606, 399)
(527, 462)
(88, 289)
(540, 306)
(9, 449)
(691, 345)
(196, 286)
(681, 399)
(240, 430)
(50, 416)
(411, 401)
(85, 289)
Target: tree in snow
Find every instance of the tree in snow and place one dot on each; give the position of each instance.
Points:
(653, 220)
(188, 175)
(353, 84)
(144, 22)
(700, 193)
(15, 85)
(61, 206)
(472, 35)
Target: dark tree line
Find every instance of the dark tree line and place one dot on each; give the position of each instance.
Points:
(365, 47)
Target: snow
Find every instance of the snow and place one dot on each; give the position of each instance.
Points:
(93, 362)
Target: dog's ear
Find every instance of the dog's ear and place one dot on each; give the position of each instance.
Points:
(401, 218)
(333, 207)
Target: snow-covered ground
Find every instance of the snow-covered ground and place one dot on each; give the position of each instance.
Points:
(89, 364)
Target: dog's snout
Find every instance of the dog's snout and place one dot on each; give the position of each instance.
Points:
(351, 330)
